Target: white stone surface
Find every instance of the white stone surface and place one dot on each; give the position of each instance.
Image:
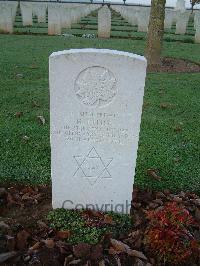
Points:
(7, 15)
(96, 98)
(54, 19)
(143, 19)
(104, 22)
(170, 18)
(39, 10)
(197, 27)
(27, 12)
(180, 5)
(66, 18)
(182, 21)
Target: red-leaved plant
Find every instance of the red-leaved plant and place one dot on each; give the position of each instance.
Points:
(168, 235)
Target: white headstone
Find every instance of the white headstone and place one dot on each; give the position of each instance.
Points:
(170, 16)
(39, 10)
(182, 21)
(27, 11)
(104, 22)
(180, 5)
(197, 27)
(54, 19)
(96, 101)
(143, 19)
(66, 18)
(7, 15)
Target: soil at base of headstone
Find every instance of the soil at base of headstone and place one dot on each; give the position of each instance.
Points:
(175, 65)
(27, 239)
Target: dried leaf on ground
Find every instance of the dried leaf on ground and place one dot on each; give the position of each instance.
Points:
(108, 220)
(82, 250)
(35, 104)
(22, 237)
(63, 234)
(18, 114)
(41, 119)
(138, 254)
(50, 243)
(119, 246)
(36, 246)
(153, 173)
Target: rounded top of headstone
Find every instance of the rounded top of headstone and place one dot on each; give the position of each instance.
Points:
(99, 51)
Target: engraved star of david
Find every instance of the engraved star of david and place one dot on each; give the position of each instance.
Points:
(92, 166)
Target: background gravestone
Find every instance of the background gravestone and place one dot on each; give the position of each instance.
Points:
(96, 101)
(104, 22)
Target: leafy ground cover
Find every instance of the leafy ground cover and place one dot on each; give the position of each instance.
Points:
(163, 229)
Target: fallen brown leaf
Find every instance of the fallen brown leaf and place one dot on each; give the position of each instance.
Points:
(33, 66)
(27, 189)
(41, 119)
(102, 263)
(36, 246)
(119, 246)
(26, 196)
(108, 220)
(178, 129)
(138, 254)
(68, 259)
(82, 250)
(74, 262)
(22, 238)
(42, 225)
(10, 199)
(49, 243)
(112, 251)
(96, 252)
(197, 214)
(63, 234)
(18, 114)
(153, 173)
(35, 104)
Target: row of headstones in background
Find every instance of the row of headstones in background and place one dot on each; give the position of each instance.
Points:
(62, 15)
(59, 14)
(139, 16)
(136, 16)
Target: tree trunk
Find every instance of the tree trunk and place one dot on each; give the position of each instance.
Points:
(155, 33)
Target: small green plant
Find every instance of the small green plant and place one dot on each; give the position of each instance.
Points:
(88, 226)
(168, 235)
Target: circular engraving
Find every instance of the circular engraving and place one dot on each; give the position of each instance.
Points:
(95, 86)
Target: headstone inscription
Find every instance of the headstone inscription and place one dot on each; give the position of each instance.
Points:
(96, 98)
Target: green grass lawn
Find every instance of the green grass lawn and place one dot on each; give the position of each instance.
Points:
(24, 88)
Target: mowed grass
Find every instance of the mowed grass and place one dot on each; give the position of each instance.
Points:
(170, 133)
